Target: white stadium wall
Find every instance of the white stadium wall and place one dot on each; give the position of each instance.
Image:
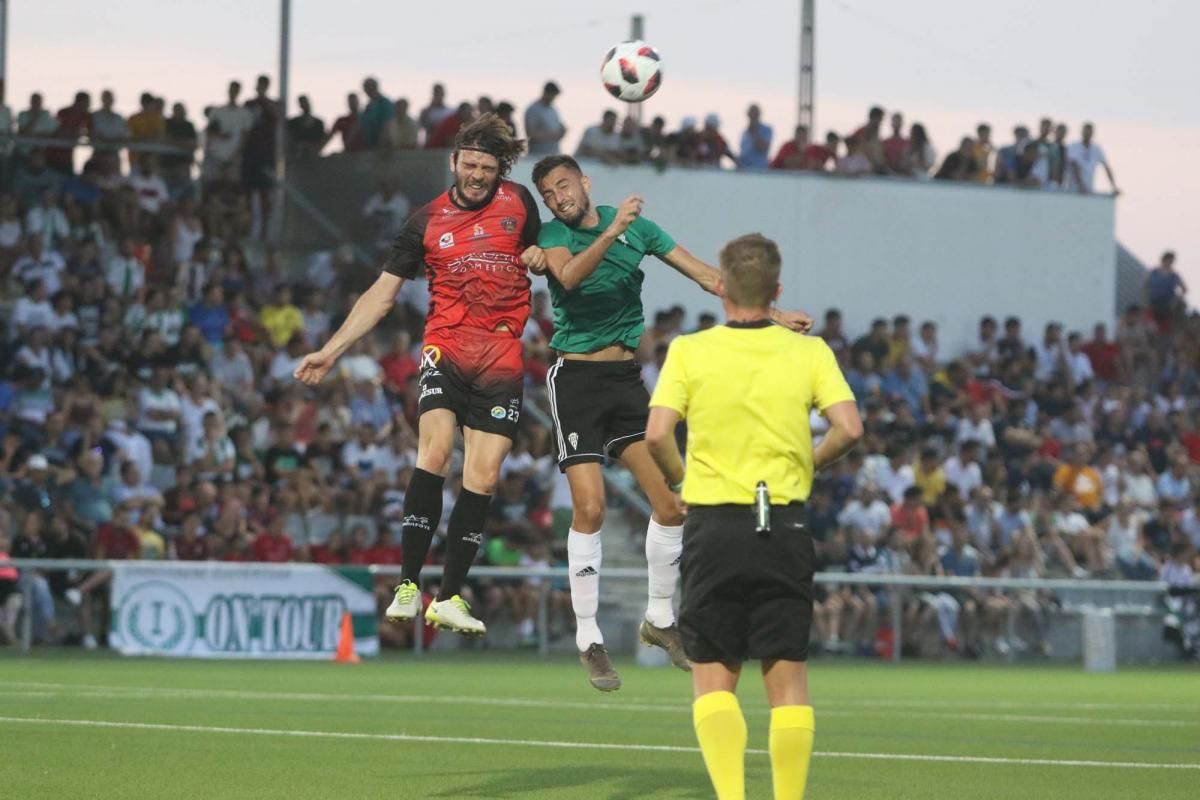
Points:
(876, 247)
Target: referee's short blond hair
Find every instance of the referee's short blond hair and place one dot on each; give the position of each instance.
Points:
(750, 270)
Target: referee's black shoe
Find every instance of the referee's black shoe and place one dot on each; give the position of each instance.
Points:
(668, 639)
(601, 673)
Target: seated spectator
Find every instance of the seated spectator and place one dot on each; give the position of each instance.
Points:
(711, 147)
(281, 318)
(921, 157)
(896, 147)
(854, 163)
(443, 135)
(402, 131)
(962, 471)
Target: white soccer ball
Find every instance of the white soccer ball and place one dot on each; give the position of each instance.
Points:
(632, 71)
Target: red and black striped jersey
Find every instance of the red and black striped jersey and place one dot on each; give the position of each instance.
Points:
(472, 258)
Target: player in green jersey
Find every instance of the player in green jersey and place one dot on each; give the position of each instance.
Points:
(592, 258)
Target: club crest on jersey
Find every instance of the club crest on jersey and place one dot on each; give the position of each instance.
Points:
(509, 224)
(447, 240)
(574, 440)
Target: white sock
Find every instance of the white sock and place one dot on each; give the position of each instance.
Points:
(664, 545)
(583, 555)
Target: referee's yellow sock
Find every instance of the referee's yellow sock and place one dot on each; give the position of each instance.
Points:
(721, 729)
(790, 745)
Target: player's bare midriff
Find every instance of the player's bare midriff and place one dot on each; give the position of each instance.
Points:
(614, 352)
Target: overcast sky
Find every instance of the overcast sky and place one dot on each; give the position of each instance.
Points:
(1131, 69)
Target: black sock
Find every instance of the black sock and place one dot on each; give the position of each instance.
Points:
(422, 515)
(463, 539)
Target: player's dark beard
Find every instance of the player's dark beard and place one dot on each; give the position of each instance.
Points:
(581, 210)
(460, 198)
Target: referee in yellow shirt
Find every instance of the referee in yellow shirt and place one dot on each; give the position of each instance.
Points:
(746, 388)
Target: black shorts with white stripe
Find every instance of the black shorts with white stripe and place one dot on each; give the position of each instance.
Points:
(599, 409)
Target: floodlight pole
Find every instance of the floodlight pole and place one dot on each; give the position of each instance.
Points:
(280, 199)
(3, 48)
(807, 88)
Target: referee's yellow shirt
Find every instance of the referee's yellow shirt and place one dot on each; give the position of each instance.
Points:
(746, 391)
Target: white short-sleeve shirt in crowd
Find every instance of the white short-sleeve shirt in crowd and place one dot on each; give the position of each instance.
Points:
(966, 478)
(150, 400)
(595, 140)
(1088, 157)
(233, 123)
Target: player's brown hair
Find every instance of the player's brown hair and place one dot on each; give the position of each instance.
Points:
(490, 134)
(750, 267)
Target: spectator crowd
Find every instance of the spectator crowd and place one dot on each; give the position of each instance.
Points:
(147, 407)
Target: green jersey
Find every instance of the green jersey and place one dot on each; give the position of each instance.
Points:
(606, 308)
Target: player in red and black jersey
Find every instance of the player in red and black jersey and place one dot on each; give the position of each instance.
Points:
(469, 241)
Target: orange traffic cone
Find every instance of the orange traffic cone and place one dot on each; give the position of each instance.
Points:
(345, 650)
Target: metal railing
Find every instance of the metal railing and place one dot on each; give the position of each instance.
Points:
(896, 585)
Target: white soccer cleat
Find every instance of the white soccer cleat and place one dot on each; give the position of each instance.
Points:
(406, 605)
(454, 615)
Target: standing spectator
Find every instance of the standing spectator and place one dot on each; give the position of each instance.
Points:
(74, 121)
(385, 213)
(181, 134)
(447, 129)
(982, 153)
(629, 150)
(505, 111)
(258, 156)
(401, 132)
(895, 147)
(713, 148)
(306, 133)
(150, 189)
(543, 127)
(376, 115)
(226, 132)
(1079, 366)
(921, 154)
(791, 154)
(1049, 353)
(125, 274)
(925, 347)
(347, 127)
(34, 121)
(1082, 159)
(1045, 149)
(1058, 157)
(1103, 354)
(47, 222)
(432, 115)
(1164, 291)
(603, 141)
(834, 335)
(1009, 156)
(107, 124)
(755, 151)
(961, 164)
(148, 125)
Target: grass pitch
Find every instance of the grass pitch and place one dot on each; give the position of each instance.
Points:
(483, 725)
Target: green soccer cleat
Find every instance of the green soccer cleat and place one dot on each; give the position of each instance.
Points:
(406, 605)
(454, 615)
(668, 639)
(601, 673)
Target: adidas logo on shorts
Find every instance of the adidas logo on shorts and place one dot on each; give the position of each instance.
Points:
(586, 572)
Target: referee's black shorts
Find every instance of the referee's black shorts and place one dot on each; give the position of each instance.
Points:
(746, 595)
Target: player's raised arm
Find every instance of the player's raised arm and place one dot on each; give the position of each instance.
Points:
(708, 278)
(572, 270)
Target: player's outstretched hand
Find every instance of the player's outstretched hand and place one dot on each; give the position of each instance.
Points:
(629, 210)
(796, 321)
(313, 368)
(534, 258)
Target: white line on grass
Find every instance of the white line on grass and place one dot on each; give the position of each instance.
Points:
(641, 748)
(85, 691)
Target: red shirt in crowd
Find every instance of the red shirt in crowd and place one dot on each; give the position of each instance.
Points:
(386, 554)
(269, 547)
(912, 522)
(1104, 359)
(398, 368)
(117, 544)
(322, 554)
(789, 157)
(195, 549)
(443, 135)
